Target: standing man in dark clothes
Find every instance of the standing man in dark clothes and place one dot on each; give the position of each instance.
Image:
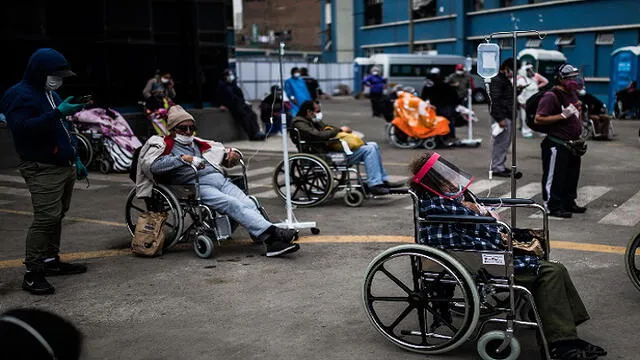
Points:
(312, 84)
(50, 164)
(560, 110)
(445, 99)
(229, 96)
(501, 111)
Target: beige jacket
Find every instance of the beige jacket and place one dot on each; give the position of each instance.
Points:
(154, 147)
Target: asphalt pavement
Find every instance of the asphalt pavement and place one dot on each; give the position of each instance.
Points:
(242, 305)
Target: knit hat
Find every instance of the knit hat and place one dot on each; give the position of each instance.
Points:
(177, 115)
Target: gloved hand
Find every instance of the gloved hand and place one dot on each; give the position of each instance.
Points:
(81, 170)
(66, 108)
(569, 111)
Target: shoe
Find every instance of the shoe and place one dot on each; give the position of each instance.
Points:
(57, 268)
(569, 350)
(507, 173)
(590, 348)
(277, 248)
(35, 282)
(286, 235)
(379, 190)
(574, 208)
(560, 214)
(259, 136)
(394, 185)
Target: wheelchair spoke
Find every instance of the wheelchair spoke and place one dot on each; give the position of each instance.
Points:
(439, 317)
(137, 208)
(389, 298)
(422, 322)
(401, 317)
(395, 280)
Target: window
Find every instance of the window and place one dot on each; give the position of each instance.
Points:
(605, 39)
(505, 43)
(423, 48)
(479, 4)
(506, 3)
(533, 43)
(372, 12)
(424, 9)
(371, 51)
(566, 40)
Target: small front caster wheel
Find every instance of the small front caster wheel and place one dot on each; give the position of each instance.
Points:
(489, 343)
(203, 246)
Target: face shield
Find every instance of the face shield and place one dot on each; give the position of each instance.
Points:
(443, 178)
(570, 78)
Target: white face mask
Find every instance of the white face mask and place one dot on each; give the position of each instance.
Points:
(296, 75)
(459, 72)
(582, 92)
(184, 139)
(53, 82)
(317, 117)
(164, 80)
(374, 73)
(230, 78)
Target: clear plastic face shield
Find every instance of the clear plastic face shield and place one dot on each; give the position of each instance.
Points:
(443, 178)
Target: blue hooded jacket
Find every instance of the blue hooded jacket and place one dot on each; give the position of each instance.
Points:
(39, 131)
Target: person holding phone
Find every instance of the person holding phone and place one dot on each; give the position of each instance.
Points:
(36, 116)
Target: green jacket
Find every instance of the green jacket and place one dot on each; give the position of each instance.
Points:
(316, 133)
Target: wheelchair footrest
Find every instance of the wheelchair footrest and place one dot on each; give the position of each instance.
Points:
(222, 227)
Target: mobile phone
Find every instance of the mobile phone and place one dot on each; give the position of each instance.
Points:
(82, 99)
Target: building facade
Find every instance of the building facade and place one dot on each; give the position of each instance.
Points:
(585, 31)
(265, 21)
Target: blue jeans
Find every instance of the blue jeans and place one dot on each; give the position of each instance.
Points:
(370, 154)
(220, 193)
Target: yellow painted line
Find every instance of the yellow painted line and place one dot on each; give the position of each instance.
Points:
(68, 218)
(325, 239)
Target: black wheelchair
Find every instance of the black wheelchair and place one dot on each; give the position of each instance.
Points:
(188, 219)
(452, 295)
(632, 260)
(316, 177)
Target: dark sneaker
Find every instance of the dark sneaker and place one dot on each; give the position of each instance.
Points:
(590, 348)
(57, 268)
(507, 173)
(35, 283)
(286, 235)
(277, 248)
(568, 350)
(379, 190)
(394, 185)
(574, 208)
(560, 214)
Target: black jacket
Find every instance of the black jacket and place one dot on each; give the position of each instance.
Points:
(316, 133)
(501, 91)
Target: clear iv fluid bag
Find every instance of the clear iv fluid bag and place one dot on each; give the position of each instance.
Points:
(488, 60)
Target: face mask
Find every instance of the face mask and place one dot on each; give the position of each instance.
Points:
(317, 117)
(53, 82)
(570, 85)
(296, 75)
(582, 92)
(374, 73)
(184, 140)
(230, 78)
(460, 72)
(164, 80)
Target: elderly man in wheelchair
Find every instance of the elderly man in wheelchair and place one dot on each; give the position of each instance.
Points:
(180, 158)
(473, 267)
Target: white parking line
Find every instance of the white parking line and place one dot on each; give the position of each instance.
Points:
(586, 194)
(22, 192)
(480, 186)
(79, 185)
(259, 171)
(627, 214)
(269, 194)
(524, 192)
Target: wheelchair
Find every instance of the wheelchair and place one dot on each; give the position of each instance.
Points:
(454, 293)
(188, 219)
(316, 177)
(588, 127)
(632, 260)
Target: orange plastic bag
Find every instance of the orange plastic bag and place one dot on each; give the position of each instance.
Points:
(414, 117)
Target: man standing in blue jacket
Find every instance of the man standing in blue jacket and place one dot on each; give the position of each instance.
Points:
(296, 89)
(50, 164)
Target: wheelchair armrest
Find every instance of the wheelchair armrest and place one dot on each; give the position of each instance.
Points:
(469, 219)
(401, 191)
(505, 201)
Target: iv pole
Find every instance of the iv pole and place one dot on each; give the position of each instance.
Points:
(514, 126)
(289, 223)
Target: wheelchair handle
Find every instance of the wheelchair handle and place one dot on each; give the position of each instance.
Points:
(505, 201)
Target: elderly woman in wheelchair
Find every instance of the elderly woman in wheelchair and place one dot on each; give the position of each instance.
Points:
(181, 159)
(328, 161)
(469, 267)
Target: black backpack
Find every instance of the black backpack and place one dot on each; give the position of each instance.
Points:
(532, 108)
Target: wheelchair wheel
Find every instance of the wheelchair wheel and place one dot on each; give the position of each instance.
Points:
(423, 282)
(632, 260)
(430, 143)
(85, 151)
(105, 166)
(489, 343)
(353, 198)
(203, 246)
(311, 180)
(587, 130)
(402, 140)
(161, 200)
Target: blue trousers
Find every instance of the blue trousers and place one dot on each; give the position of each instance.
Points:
(370, 154)
(220, 193)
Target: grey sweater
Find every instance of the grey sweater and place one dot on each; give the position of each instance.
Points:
(172, 169)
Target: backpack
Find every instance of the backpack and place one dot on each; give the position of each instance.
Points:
(531, 108)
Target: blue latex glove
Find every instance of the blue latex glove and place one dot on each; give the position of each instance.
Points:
(81, 170)
(66, 108)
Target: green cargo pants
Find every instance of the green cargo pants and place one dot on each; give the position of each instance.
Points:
(557, 301)
(51, 187)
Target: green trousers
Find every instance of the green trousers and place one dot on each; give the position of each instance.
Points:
(557, 301)
(51, 187)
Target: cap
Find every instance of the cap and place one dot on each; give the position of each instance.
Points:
(459, 67)
(64, 73)
(567, 71)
